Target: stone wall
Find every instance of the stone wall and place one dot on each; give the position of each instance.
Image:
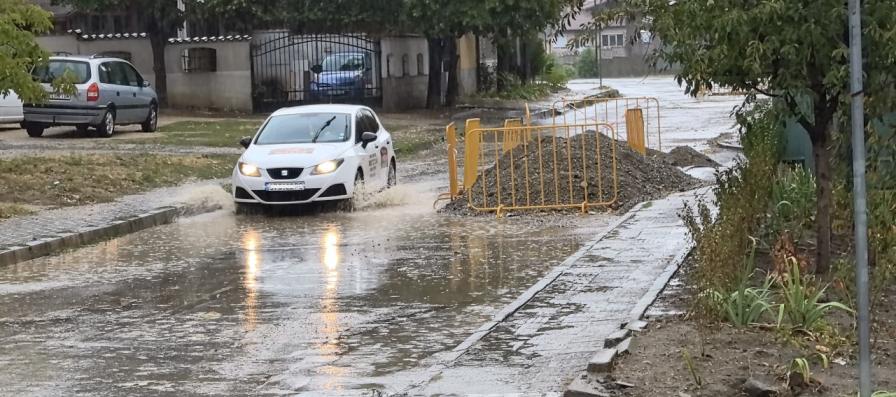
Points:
(405, 66)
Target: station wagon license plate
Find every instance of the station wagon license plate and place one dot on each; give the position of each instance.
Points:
(60, 97)
(284, 186)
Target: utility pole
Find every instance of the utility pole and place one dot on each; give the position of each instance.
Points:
(861, 211)
(598, 55)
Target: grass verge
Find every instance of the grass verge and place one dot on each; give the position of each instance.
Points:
(11, 210)
(70, 180)
(222, 133)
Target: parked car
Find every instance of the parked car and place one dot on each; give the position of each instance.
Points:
(10, 109)
(342, 75)
(314, 153)
(110, 93)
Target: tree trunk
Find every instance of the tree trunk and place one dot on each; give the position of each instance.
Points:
(157, 41)
(504, 62)
(434, 89)
(452, 90)
(824, 195)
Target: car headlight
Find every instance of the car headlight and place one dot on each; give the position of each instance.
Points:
(249, 169)
(327, 167)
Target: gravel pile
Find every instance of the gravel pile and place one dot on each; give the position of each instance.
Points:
(686, 156)
(641, 178)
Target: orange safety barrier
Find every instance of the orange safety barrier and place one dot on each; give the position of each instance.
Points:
(615, 112)
(550, 167)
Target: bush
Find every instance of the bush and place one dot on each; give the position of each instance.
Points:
(793, 201)
(742, 197)
(586, 65)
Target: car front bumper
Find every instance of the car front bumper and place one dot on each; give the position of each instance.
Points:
(338, 185)
(63, 115)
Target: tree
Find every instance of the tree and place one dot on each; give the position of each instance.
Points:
(794, 50)
(19, 53)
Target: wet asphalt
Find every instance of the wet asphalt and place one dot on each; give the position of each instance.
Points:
(302, 303)
(307, 303)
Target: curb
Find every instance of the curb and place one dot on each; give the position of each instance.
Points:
(49, 245)
(518, 303)
(619, 343)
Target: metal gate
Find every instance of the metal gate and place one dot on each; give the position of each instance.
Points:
(290, 70)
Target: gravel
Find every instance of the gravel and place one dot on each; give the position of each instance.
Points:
(641, 178)
(686, 156)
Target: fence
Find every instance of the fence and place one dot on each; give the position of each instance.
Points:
(635, 119)
(535, 167)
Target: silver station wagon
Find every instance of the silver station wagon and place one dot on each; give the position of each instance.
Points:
(110, 93)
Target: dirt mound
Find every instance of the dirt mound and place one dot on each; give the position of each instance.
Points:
(686, 156)
(571, 173)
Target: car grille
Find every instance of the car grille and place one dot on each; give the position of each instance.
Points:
(285, 197)
(290, 173)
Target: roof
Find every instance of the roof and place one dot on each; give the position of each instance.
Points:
(56, 10)
(85, 58)
(331, 108)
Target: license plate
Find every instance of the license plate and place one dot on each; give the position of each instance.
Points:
(284, 186)
(60, 97)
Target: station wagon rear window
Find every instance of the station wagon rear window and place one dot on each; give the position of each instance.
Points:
(80, 71)
(305, 128)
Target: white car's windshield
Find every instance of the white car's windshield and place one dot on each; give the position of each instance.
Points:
(306, 128)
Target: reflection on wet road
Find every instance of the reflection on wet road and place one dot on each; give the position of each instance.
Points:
(222, 304)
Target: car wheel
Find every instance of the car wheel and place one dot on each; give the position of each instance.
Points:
(151, 123)
(392, 181)
(34, 130)
(107, 127)
(357, 194)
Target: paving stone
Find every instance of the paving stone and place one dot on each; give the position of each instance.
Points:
(602, 361)
(616, 337)
(625, 346)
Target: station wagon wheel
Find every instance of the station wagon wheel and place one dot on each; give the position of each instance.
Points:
(107, 127)
(34, 130)
(152, 119)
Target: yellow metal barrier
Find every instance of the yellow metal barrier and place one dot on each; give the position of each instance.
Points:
(471, 147)
(634, 126)
(451, 139)
(558, 166)
(615, 112)
(511, 125)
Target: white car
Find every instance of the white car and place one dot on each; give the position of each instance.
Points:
(314, 153)
(10, 108)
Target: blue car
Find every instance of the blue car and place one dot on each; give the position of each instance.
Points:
(342, 75)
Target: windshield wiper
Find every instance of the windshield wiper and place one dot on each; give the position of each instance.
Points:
(321, 130)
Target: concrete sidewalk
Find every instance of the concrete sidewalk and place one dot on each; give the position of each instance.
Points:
(539, 343)
(50, 231)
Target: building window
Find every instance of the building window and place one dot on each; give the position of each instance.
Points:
(613, 40)
(405, 65)
(421, 68)
(117, 54)
(200, 60)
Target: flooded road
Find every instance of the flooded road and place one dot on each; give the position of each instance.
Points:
(329, 304)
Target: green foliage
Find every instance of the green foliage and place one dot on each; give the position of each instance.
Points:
(555, 73)
(20, 22)
(793, 198)
(801, 307)
(746, 305)
(741, 198)
(586, 64)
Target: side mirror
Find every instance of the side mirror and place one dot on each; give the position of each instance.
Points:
(246, 141)
(317, 69)
(366, 138)
(146, 84)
